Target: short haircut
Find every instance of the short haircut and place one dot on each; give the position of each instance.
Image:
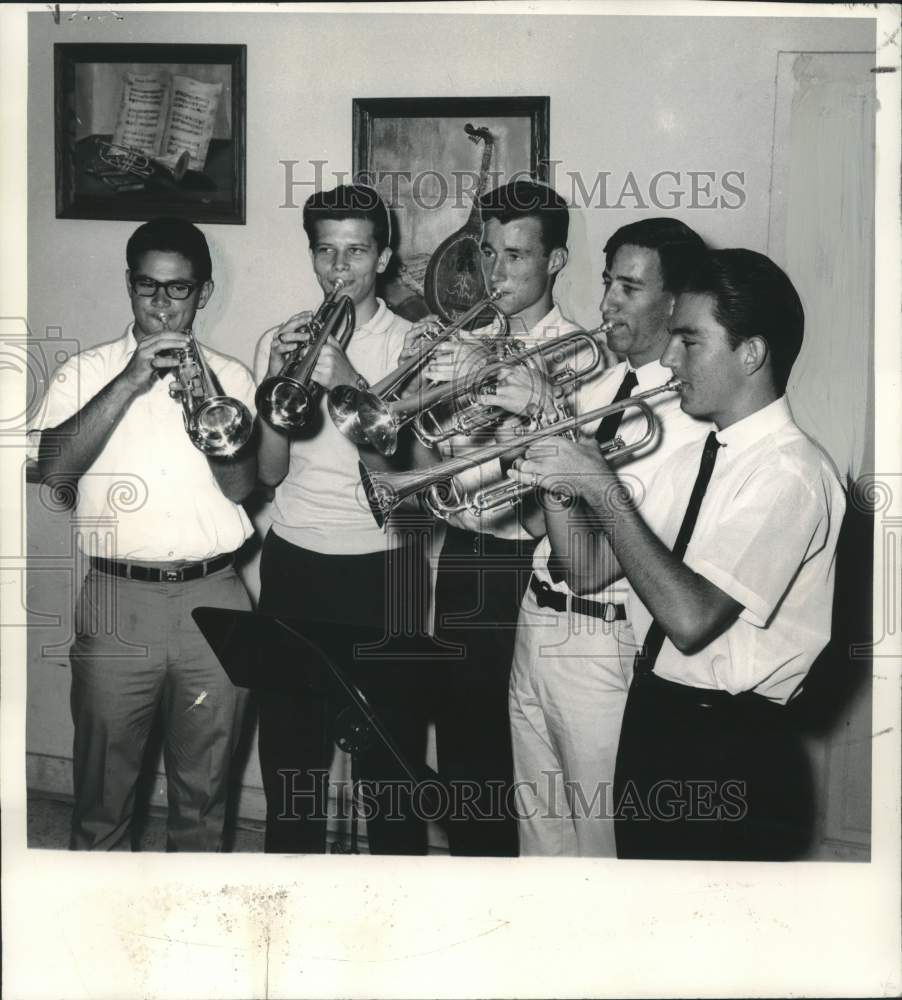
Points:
(171, 236)
(529, 200)
(679, 248)
(348, 201)
(753, 298)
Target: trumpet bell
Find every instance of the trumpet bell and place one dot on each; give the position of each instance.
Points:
(285, 403)
(343, 403)
(220, 426)
(378, 424)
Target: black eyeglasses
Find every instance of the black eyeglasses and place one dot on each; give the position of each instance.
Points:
(178, 288)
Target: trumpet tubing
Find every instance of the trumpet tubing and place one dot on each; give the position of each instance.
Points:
(288, 401)
(218, 425)
(385, 490)
(476, 416)
(380, 427)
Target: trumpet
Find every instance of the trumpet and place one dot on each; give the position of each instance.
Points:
(345, 401)
(218, 425)
(473, 415)
(385, 490)
(128, 160)
(287, 401)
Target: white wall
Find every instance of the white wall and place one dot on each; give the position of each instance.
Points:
(628, 94)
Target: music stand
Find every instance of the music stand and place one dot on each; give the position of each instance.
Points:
(260, 651)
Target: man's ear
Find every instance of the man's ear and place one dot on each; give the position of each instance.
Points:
(128, 282)
(206, 290)
(557, 259)
(382, 260)
(754, 353)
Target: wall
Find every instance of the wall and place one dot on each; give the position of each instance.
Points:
(630, 96)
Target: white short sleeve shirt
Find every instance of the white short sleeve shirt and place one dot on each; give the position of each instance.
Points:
(766, 535)
(150, 494)
(320, 504)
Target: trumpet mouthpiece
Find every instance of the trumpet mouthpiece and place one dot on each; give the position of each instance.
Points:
(337, 285)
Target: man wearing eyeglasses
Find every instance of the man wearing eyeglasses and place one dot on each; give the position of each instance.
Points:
(158, 523)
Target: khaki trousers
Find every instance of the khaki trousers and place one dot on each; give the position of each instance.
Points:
(137, 651)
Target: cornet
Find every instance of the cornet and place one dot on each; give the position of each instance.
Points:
(287, 401)
(346, 402)
(218, 425)
(385, 490)
(128, 160)
(473, 415)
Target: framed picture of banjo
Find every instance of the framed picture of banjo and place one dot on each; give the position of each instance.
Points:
(430, 158)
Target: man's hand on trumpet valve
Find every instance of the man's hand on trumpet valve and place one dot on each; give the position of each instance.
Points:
(332, 366)
(153, 355)
(286, 339)
(562, 466)
(418, 336)
(522, 391)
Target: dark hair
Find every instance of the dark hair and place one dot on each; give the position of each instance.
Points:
(679, 248)
(753, 298)
(171, 236)
(529, 200)
(348, 201)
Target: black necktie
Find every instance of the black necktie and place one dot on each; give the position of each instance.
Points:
(607, 429)
(645, 659)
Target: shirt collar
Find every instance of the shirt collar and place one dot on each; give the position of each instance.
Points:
(379, 322)
(650, 375)
(127, 342)
(751, 429)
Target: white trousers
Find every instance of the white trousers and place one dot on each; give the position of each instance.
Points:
(569, 682)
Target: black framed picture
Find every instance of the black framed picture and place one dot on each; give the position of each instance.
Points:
(150, 130)
(429, 158)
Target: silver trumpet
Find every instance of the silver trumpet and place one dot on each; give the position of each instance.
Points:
(473, 415)
(289, 400)
(385, 490)
(218, 425)
(347, 404)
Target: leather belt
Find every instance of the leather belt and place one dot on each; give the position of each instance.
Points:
(548, 598)
(155, 574)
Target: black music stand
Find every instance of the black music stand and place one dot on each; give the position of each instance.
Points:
(260, 651)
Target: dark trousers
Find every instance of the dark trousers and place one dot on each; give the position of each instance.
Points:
(707, 775)
(480, 583)
(362, 593)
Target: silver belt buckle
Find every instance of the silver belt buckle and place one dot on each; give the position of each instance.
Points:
(172, 575)
(609, 613)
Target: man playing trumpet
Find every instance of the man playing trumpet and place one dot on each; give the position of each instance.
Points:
(730, 557)
(108, 425)
(485, 560)
(574, 650)
(324, 558)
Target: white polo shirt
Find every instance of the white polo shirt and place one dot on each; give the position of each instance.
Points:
(766, 535)
(150, 494)
(673, 430)
(320, 504)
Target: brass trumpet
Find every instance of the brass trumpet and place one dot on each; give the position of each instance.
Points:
(128, 160)
(287, 401)
(385, 490)
(475, 415)
(345, 401)
(218, 425)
